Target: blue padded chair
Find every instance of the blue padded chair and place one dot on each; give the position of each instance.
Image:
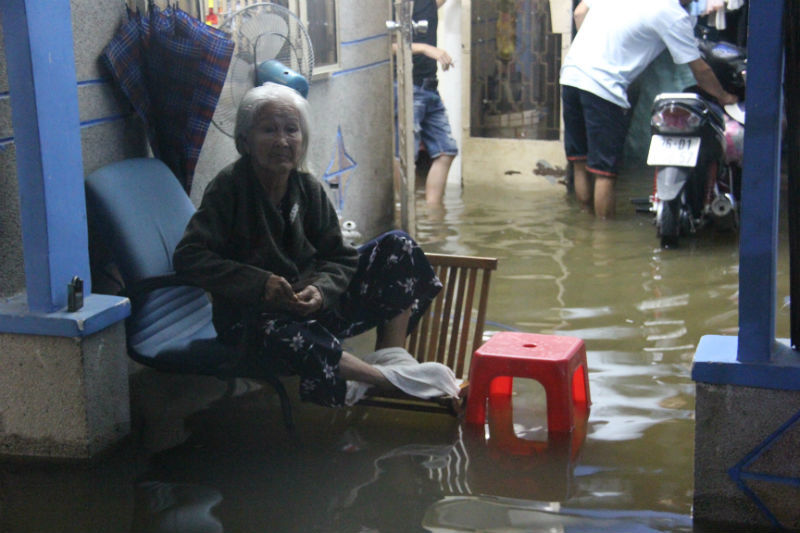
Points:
(140, 211)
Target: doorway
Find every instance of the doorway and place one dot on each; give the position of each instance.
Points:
(511, 103)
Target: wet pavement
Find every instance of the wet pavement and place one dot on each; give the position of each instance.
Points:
(211, 456)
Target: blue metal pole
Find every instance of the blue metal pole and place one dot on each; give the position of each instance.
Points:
(44, 99)
(760, 183)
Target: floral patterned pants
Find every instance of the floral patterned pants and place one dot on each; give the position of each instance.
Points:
(393, 275)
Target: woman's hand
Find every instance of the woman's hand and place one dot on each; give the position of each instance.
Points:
(278, 293)
(307, 301)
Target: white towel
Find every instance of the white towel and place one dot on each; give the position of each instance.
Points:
(421, 380)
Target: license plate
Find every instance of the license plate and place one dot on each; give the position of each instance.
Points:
(673, 151)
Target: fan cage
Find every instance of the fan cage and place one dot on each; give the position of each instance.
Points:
(260, 32)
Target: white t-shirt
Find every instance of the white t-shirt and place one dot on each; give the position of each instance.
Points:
(619, 38)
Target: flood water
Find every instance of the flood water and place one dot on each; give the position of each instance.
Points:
(207, 458)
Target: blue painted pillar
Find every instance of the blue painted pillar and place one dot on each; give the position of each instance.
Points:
(44, 100)
(760, 183)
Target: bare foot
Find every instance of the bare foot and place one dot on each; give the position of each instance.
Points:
(458, 405)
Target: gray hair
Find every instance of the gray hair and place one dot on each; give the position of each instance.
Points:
(271, 93)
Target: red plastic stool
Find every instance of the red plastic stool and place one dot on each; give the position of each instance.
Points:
(558, 363)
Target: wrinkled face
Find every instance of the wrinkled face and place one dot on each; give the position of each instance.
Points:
(275, 139)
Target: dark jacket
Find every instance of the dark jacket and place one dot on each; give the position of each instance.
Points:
(238, 238)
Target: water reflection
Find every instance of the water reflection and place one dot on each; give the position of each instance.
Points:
(508, 515)
(175, 508)
(511, 461)
(358, 470)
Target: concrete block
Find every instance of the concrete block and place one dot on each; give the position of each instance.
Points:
(359, 53)
(93, 27)
(100, 101)
(107, 142)
(371, 19)
(733, 422)
(369, 192)
(63, 397)
(6, 129)
(12, 270)
(3, 72)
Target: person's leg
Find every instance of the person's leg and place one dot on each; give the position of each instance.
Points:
(438, 139)
(575, 144)
(281, 344)
(308, 349)
(391, 290)
(583, 182)
(604, 196)
(437, 179)
(352, 368)
(393, 332)
(606, 129)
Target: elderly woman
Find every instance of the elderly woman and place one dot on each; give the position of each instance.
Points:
(266, 243)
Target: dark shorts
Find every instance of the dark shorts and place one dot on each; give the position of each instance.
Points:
(393, 274)
(594, 130)
(431, 125)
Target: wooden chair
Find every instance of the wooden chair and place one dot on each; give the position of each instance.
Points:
(452, 328)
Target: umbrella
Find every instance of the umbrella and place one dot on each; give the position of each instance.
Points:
(171, 67)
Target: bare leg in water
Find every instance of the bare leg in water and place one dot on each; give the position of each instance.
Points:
(437, 179)
(594, 192)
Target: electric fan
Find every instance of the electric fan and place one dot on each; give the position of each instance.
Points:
(271, 44)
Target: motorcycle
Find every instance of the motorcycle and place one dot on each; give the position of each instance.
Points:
(696, 148)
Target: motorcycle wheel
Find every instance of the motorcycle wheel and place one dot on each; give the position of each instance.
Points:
(669, 224)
